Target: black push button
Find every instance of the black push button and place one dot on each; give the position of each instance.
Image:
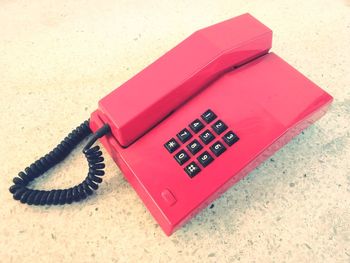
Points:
(181, 157)
(206, 137)
(219, 127)
(230, 138)
(218, 148)
(208, 116)
(192, 169)
(205, 159)
(184, 135)
(171, 145)
(194, 147)
(196, 125)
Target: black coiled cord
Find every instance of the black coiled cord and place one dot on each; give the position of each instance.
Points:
(79, 192)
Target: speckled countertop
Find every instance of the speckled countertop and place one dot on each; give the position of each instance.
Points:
(57, 58)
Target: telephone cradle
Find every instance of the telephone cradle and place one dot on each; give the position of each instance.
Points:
(191, 124)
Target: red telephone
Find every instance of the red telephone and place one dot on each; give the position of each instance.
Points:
(202, 116)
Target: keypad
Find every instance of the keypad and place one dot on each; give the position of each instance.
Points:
(205, 159)
(194, 147)
(181, 157)
(192, 169)
(219, 127)
(199, 144)
(184, 135)
(196, 125)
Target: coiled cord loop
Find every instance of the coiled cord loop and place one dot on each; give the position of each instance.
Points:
(79, 192)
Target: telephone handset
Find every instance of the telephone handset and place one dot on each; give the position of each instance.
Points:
(148, 97)
(191, 124)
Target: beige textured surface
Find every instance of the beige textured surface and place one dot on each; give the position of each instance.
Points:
(57, 58)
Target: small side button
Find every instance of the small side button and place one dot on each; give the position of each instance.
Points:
(168, 197)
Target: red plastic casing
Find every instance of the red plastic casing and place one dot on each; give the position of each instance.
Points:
(265, 102)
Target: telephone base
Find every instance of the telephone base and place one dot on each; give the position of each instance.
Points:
(265, 103)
